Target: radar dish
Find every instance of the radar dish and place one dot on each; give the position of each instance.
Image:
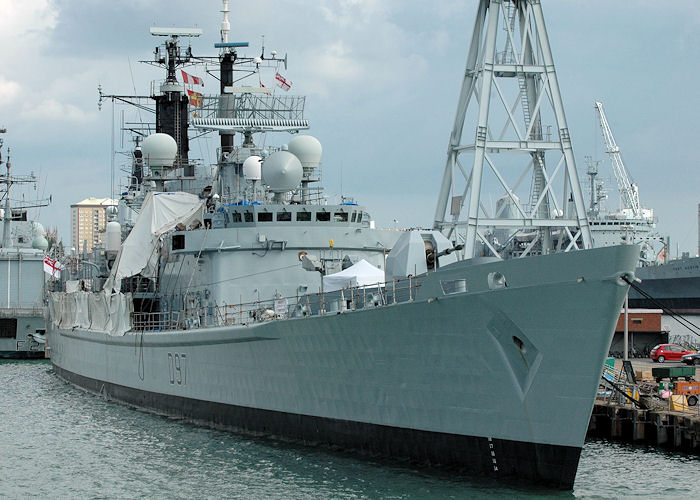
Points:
(252, 168)
(159, 150)
(282, 171)
(307, 149)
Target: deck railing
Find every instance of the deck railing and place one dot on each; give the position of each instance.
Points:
(336, 302)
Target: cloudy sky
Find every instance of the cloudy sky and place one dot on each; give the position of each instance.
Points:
(382, 79)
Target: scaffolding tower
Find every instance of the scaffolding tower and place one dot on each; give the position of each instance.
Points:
(518, 88)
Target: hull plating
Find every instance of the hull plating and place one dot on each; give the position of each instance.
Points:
(516, 368)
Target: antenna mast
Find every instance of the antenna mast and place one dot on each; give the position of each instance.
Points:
(510, 143)
(225, 25)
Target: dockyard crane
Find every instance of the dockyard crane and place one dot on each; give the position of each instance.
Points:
(629, 191)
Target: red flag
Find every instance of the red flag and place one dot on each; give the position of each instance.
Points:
(282, 82)
(196, 99)
(187, 78)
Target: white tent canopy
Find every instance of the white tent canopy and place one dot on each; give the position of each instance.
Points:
(361, 274)
(160, 213)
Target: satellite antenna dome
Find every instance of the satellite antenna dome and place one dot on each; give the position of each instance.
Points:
(273, 53)
(307, 149)
(252, 168)
(282, 171)
(257, 60)
(159, 150)
(39, 242)
(114, 236)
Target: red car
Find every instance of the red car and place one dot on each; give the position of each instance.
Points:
(674, 352)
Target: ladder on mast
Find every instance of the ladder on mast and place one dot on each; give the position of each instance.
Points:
(460, 213)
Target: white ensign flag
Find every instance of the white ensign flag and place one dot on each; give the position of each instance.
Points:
(52, 267)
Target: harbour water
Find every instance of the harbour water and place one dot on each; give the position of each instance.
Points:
(56, 441)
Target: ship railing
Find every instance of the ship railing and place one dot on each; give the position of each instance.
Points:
(313, 304)
(156, 321)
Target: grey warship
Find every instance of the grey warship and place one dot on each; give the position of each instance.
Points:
(219, 308)
(22, 322)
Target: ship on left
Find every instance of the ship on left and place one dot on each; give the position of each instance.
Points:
(23, 259)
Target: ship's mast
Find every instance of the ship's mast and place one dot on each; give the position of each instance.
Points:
(522, 79)
(171, 103)
(8, 181)
(7, 216)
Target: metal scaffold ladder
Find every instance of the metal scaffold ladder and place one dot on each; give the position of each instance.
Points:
(494, 86)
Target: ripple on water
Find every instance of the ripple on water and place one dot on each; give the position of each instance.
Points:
(58, 441)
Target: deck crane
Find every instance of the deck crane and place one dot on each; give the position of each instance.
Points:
(629, 191)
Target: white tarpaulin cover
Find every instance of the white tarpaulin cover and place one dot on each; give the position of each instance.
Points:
(160, 213)
(361, 274)
(98, 312)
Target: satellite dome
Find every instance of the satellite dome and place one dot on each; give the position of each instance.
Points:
(39, 242)
(282, 171)
(252, 168)
(159, 150)
(307, 149)
(114, 236)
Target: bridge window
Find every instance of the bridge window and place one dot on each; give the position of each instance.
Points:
(265, 217)
(323, 216)
(248, 216)
(303, 216)
(284, 216)
(236, 216)
(340, 217)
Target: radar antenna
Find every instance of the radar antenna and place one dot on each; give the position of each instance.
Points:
(225, 25)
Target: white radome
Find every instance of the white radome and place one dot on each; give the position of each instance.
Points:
(114, 236)
(282, 171)
(307, 148)
(39, 242)
(252, 168)
(159, 150)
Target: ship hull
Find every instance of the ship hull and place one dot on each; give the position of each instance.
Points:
(675, 286)
(17, 330)
(493, 381)
(542, 463)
